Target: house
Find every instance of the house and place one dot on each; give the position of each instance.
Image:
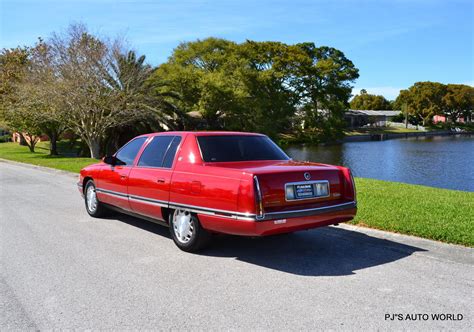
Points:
(444, 119)
(376, 118)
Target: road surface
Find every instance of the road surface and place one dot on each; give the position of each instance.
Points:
(62, 269)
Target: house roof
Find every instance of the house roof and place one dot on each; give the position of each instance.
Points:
(374, 112)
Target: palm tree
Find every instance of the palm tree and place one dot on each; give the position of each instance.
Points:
(154, 110)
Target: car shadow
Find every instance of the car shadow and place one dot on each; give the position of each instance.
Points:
(327, 251)
(140, 223)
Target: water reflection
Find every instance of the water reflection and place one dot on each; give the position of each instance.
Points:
(441, 161)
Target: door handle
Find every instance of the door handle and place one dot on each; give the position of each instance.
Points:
(160, 180)
(123, 177)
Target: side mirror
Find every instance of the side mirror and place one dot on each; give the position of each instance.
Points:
(111, 160)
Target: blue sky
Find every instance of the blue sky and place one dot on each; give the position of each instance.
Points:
(393, 43)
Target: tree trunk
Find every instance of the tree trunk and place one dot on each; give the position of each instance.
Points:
(94, 147)
(22, 140)
(53, 146)
(30, 142)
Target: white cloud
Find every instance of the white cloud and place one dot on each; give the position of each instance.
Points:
(389, 92)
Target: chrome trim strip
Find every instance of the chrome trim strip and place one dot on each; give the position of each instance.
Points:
(201, 209)
(148, 200)
(110, 192)
(192, 208)
(214, 214)
(310, 212)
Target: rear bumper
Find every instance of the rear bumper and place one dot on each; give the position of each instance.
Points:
(276, 223)
(307, 212)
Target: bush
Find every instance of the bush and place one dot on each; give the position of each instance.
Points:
(5, 138)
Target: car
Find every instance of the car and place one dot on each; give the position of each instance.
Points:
(203, 183)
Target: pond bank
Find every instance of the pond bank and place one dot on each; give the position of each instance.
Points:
(386, 136)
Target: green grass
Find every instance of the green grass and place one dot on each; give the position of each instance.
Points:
(381, 130)
(433, 213)
(41, 157)
(438, 214)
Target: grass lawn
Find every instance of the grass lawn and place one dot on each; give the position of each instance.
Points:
(438, 214)
(41, 157)
(433, 213)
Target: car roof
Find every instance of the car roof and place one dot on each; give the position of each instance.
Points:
(203, 133)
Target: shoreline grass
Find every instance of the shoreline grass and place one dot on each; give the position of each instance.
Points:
(381, 130)
(433, 213)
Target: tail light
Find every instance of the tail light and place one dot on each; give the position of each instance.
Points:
(349, 184)
(354, 190)
(258, 199)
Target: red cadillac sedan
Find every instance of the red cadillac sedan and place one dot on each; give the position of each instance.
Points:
(202, 183)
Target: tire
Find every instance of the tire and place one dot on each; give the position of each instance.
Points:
(93, 207)
(187, 232)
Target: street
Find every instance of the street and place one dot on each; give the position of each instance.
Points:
(61, 269)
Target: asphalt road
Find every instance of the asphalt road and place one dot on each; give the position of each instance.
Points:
(62, 269)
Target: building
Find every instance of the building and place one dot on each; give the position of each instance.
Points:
(376, 118)
(444, 119)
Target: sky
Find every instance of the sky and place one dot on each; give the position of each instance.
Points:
(393, 43)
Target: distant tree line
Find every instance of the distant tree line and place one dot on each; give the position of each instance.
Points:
(105, 94)
(422, 101)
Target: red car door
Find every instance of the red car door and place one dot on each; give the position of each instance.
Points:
(149, 181)
(112, 186)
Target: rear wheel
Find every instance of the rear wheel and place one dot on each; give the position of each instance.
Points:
(95, 208)
(187, 232)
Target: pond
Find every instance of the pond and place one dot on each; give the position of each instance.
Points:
(438, 161)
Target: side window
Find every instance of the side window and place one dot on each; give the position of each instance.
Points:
(155, 151)
(168, 161)
(129, 151)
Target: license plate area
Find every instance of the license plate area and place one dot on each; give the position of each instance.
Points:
(306, 190)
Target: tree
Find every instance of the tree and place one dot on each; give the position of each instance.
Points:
(259, 86)
(97, 97)
(423, 100)
(39, 93)
(128, 77)
(194, 80)
(324, 84)
(264, 86)
(13, 66)
(18, 110)
(366, 101)
(458, 101)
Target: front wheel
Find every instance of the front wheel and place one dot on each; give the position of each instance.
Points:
(94, 208)
(187, 232)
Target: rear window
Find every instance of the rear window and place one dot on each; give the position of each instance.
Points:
(222, 148)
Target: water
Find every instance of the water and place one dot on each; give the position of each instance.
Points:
(440, 161)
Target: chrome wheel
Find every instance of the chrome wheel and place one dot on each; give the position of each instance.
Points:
(91, 199)
(183, 226)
